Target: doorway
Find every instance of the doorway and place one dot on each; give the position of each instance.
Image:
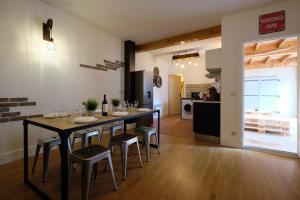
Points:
(270, 97)
(175, 91)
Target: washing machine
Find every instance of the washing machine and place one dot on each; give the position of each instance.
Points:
(187, 109)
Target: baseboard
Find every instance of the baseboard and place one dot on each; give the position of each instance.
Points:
(207, 138)
(17, 154)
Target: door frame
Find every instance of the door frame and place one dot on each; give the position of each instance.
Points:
(242, 97)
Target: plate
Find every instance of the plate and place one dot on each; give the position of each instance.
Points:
(144, 109)
(85, 120)
(120, 114)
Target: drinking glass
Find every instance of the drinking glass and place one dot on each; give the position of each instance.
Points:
(125, 104)
(130, 107)
(136, 103)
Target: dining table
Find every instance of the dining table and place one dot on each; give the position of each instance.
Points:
(64, 127)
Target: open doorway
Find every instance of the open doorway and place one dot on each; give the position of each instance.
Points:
(270, 94)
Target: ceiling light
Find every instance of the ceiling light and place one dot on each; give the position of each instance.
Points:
(185, 56)
(176, 63)
(195, 64)
(182, 66)
(190, 62)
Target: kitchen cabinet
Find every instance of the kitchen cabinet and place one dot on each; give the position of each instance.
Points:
(213, 60)
(206, 118)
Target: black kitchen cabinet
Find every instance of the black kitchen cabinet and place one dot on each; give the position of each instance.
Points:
(206, 118)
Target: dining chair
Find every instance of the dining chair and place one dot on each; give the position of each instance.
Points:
(47, 143)
(112, 128)
(88, 158)
(124, 140)
(147, 132)
(86, 136)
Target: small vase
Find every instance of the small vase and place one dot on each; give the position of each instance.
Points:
(91, 113)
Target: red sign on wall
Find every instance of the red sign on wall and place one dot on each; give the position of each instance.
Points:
(272, 22)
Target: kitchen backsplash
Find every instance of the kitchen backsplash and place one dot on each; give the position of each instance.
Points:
(189, 88)
(203, 88)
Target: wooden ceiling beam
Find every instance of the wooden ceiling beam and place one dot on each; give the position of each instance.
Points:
(263, 48)
(273, 53)
(267, 59)
(281, 43)
(256, 47)
(271, 63)
(184, 38)
(285, 57)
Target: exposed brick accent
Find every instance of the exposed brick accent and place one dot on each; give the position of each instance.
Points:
(17, 118)
(27, 103)
(4, 100)
(34, 116)
(108, 65)
(4, 109)
(4, 119)
(101, 67)
(10, 114)
(18, 99)
(8, 104)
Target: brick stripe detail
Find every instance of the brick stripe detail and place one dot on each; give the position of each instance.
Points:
(4, 100)
(18, 99)
(27, 103)
(108, 65)
(8, 104)
(34, 116)
(17, 118)
(10, 114)
(4, 119)
(4, 109)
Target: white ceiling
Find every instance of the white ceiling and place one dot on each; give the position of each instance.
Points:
(147, 20)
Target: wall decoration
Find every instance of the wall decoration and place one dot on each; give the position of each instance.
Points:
(157, 80)
(108, 65)
(8, 116)
(272, 22)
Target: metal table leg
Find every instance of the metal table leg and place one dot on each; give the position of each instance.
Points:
(64, 165)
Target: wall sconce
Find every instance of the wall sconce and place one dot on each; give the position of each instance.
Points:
(47, 34)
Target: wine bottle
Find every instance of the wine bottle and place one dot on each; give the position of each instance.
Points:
(104, 106)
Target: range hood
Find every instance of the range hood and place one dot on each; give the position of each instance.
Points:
(213, 63)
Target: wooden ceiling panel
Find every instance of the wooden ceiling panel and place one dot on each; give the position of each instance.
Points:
(272, 53)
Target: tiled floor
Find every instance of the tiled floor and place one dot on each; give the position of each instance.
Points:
(273, 141)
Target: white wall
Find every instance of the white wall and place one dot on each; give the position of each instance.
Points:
(146, 61)
(192, 74)
(237, 29)
(51, 78)
(287, 87)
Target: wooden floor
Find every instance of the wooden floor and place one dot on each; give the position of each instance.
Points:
(185, 170)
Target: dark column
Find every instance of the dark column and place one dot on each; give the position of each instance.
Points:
(129, 66)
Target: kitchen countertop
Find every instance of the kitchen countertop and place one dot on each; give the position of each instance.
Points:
(202, 101)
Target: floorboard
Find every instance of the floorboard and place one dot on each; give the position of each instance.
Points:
(185, 169)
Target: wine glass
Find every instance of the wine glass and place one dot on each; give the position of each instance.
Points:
(136, 103)
(125, 104)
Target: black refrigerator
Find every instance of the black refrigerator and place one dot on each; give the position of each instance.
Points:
(142, 90)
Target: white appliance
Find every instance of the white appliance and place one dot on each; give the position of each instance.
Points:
(187, 109)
